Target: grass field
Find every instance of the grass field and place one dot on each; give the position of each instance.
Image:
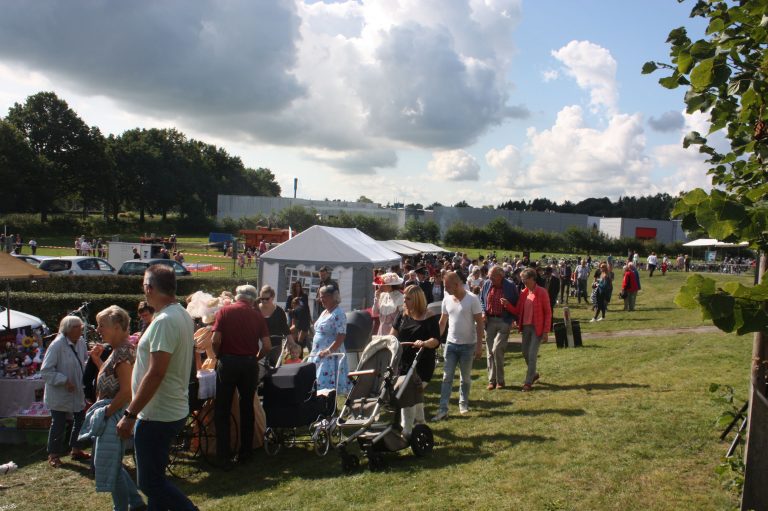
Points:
(623, 423)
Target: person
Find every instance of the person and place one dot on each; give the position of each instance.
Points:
(33, 246)
(652, 261)
(298, 314)
(136, 254)
(465, 333)
(629, 287)
(687, 263)
(237, 330)
(565, 280)
(330, 331)
(414, 324)
(535, 320)
(277, 321)
(325, 280)
(160, 387)
(437, 285)
(600, 292)
(664, 265)
(497, 323)
(262, 247)
(474, 278)
(387, 302)
(113, 388)
(62, 371)
(146, 312)
(552, 285)
(582, 275)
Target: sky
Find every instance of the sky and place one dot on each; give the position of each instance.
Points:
(413, 101)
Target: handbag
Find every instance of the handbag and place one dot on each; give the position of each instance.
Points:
(623, 294)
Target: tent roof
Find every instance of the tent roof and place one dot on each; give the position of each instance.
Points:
(12, 268)
(421, 247)
(396, 247)
(19, 320)
(332, 245)
(711, 242)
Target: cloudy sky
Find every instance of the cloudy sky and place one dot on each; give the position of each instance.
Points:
(398, 100)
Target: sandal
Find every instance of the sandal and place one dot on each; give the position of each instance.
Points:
(54, 461)
(81, 456)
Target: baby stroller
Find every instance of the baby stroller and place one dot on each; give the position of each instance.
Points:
(371, 413)
(291, 403)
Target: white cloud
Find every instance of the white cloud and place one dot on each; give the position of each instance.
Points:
(457, 165)
(671, 120)
(550, 75)
(594, 69)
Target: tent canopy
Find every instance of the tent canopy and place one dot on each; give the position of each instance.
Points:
(19, 320)
(398, 248)
(13, 268)
(332, 245)
(711, 242)
(421, 247)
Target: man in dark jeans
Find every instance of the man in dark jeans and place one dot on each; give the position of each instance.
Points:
(582, 275)
(160, 385)
(236, 334)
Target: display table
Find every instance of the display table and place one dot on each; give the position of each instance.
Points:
(17, 394)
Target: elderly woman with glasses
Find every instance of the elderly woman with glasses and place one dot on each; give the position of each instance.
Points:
(62, 370)
(330, 330)
(274, 315)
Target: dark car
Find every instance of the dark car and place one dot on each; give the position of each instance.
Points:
(137, 266)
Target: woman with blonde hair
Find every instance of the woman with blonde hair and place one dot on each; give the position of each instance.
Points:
(416, 325)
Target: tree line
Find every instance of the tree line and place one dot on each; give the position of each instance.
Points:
(51, 160)
(656, 207)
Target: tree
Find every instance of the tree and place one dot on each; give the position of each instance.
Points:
(19, 169)
(57, 136)
(417, 230)
(461, 204)
(434, 205)
(364, 200)
(725, 76)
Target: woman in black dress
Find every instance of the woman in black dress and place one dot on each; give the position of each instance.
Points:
(299, 317)
(277, 321)
(415, 324)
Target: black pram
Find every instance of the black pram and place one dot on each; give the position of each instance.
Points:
(291, 402)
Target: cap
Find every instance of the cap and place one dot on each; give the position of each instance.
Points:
(325, 268)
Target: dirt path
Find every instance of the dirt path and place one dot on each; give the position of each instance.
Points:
(651, 332)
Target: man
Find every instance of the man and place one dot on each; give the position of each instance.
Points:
(565, 280)
(582, 275)
(552, 285)
(422, 276)
(33, 246)
(325, 280)
(652, 261)
(136, 254)
(160, 385)
(236, 334)
(465, 333)
(497, 322)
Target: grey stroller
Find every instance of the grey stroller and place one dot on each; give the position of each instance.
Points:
(371, 413)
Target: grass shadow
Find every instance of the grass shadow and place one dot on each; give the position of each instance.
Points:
(593, 386)
(566, 412)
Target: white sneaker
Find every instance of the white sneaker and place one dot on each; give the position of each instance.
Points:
(442, 414)
(463, 409)
(600, 319)
(592, 320)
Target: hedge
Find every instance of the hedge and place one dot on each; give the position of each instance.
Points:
(121, 285)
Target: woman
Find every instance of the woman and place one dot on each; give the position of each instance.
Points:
(415, 324)
(113, 387)
(629, 287)
(387, 301)
(438, 291)
(600, 292)
(330, 330)
(277, 321)
(301, 332)
(535, 319)
(62, 369)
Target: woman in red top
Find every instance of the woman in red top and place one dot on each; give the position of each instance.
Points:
(629, 287)
(534, 319)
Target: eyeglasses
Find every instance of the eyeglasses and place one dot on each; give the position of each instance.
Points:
(265, 298)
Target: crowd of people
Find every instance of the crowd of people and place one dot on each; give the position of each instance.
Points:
(141, 380)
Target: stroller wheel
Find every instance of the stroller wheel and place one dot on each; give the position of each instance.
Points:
(376, 462)
(349, 462)
(422, 440)
(272, 441)
(322, 441)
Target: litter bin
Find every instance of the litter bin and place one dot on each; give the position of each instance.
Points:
(561, 338)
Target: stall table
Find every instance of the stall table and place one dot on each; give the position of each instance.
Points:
(18, 394)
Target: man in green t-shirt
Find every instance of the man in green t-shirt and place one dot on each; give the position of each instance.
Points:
(160, 385)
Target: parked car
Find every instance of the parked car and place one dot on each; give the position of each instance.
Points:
(77, 265)
(137, 266)
(33, 260)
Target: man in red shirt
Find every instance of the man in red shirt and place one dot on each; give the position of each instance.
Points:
(237, 330)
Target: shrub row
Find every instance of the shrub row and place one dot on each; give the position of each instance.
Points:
(121, 285)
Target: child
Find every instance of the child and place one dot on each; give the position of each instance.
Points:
(300, 322)
(294, 354)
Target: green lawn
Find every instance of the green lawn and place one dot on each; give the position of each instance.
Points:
(623, 423)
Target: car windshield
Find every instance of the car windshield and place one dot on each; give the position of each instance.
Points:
(56, 265)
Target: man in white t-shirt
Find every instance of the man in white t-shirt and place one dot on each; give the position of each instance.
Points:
(652, 262)
(464, 342)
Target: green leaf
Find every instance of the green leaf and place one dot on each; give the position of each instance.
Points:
(649, 67)
(693, 138)
(702, 50)
(684, 62)
(716, 25)
(702, 74)
(670, 82)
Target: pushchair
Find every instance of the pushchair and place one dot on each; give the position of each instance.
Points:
(371, 413)
(296, 411)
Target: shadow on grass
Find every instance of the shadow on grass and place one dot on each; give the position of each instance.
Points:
(592, 386)
(566, 412)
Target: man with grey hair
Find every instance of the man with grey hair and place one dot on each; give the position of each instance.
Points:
(237, 330)
(498, 322)
(160, 385)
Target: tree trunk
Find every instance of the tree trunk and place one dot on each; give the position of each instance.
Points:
(755, 495)
(141, 215)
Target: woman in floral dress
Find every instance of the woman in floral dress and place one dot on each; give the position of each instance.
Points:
(330, 330)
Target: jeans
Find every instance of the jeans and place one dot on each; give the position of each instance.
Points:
(565, 289)
(581, 290)
(461, 355)
(629, 301)
(125, 495)
(531, 343)
(496, 338)
(59, 429)
(235, 372)
(152, 444)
